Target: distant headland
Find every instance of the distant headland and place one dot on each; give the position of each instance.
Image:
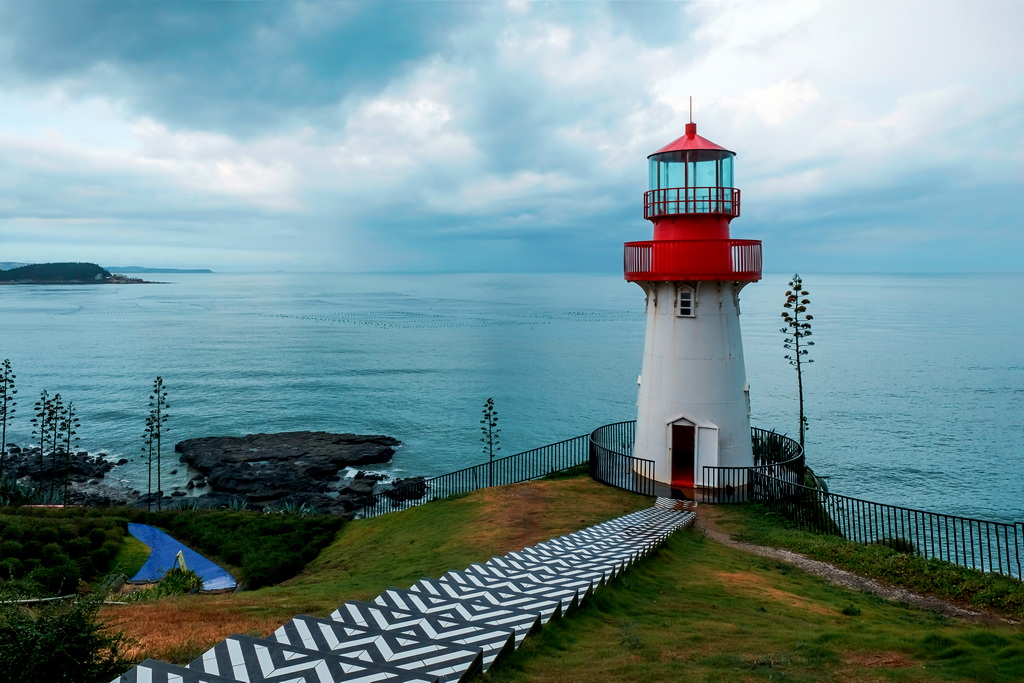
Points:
(79, 274)
(141, 269)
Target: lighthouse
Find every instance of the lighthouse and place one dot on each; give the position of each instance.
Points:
(693, 407)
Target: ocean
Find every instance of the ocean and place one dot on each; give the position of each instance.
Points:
(915, 396)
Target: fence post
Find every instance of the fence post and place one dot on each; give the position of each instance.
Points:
(1018, 540)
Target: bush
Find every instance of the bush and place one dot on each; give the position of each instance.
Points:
(60, 642)
(52, 550)
(56, 579)
(267, 548)
(174, 582)
(900, 545)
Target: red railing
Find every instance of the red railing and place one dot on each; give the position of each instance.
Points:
(693, 260)
(678, 201)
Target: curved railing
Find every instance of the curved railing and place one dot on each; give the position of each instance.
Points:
(776, 481)
(676, 201)
(612, 462)
(775, 455)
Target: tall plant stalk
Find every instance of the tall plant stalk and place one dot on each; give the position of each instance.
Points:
(68, 427)
(490, 430)
(41, 424)
(147, 447)
(797, 329)
(156, 427)
(7, 404)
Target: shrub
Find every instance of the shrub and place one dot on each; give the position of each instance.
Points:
(45, 535)
(58, 549)
(174, 582)
(266, 569)
(97, 537)
(60, 642)
(56, 579)
(900, 545)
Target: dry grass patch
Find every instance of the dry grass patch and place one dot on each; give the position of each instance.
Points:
(754, 585)
(879, 660)
(178, 630)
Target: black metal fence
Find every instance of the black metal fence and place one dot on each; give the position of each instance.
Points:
(776, 481)
(775, 455)
(979, 544)
(511, 469)
(611, 461)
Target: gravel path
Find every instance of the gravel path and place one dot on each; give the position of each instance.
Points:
(841, 577)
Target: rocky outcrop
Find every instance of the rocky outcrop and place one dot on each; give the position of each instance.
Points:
(79, 466)
(411, 488)
(272, 467)
(285, 471)
(83, 474)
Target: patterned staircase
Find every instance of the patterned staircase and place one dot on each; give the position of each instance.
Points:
(439, 630)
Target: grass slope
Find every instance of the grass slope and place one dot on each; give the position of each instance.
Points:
(697, 610)
(371, 555)
(700, 611)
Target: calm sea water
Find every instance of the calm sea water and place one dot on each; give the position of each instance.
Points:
(915, 396)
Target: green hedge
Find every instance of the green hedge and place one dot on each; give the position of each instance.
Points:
(49, 555)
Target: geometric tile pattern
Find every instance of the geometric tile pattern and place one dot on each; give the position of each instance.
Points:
(447, 629)
(449, 660)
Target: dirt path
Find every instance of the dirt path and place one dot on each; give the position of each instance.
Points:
(706, 517)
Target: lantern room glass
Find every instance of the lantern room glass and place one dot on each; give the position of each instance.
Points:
(691, 181)
(691, 168)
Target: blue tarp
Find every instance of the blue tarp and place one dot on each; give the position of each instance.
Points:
(164, 549)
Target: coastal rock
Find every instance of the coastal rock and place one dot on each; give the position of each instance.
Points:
(101, 494)
(410, 488)
(269, 467)
(80, 466)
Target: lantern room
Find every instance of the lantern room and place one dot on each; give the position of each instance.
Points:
(693, 177)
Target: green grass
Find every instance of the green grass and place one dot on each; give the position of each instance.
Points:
(754, 524)
(130, 558)
(700, 611)
(697, 610)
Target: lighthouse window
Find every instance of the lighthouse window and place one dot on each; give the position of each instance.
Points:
(685, 302)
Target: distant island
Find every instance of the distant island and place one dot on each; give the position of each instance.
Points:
(142, 269)
(64, 274)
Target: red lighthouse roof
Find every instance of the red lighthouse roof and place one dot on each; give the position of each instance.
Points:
(691, 141)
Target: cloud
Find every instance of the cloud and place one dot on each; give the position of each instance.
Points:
(469, 136)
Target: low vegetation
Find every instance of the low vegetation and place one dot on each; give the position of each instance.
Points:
(889, 561)
(174, 582)
(44, 555)
(266, 548)
(59, 642)
(697, 610)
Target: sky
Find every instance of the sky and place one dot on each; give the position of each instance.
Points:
(871, 136)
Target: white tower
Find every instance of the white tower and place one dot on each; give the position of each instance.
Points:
(693, 400)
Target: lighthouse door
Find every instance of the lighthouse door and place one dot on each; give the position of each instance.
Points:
(683, 440)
